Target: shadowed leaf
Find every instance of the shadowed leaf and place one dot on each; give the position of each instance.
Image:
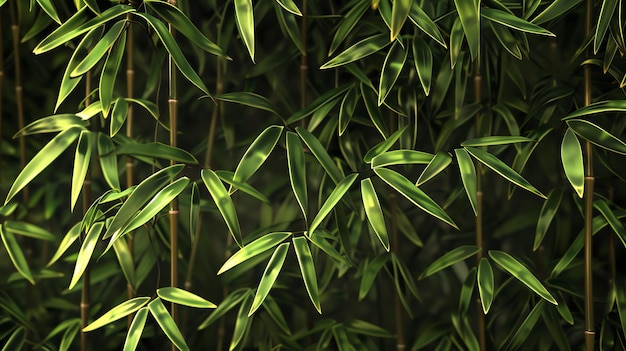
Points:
(423, 60)
(597, 135)
(257, 153)
(86, 251)
(297, 171)
(15, 254)
(396, 57)
(434, 167)
(245, 23)
(399, 13)
(455, 255)
(548, 210)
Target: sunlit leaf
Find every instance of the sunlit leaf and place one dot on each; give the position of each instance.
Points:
(318, 103)
(245, 23)
(371, 105)
(242, 323)
(108, 161)
(394, 61)
(156, 150)
(383, 146)
(346, 111)
(496, 140)
(606, 14)
(16, 340)
(249, 99)
(425, 23)
(374, 212)
(224, 203)
(556, 9)
(99, 50)
(135, 330)
(126, 261)
(70, 237)
(332, 200)
(29, 230)
(597, 135)
(257, 247)
(82, 158)
(290, 6)
(108, 76)
(269, 276)
(548, 210)
(456, 42)
(451, 257)
(86, 251)
(348, 22)
(399, 13)
(423, 60)
(358, 51)
(512, 21)
(486, 285)
(297, 171)
(468, 176)
(48, 7)
(401, 157)
(120, 311)
(288, 24)
(320, 153)
(305, 261)
(226, 305)
(469, 13)
(434, 167)
(599, 107)
(50, 124)
(183, 297)
(521, 273)
(194, 210)
(118, 116)
(167, 324)
(15, 254)
(227, 177)
(257, 153)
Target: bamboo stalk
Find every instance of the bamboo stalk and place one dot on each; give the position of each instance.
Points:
(85, 300)
(303, 59)
(15, 31)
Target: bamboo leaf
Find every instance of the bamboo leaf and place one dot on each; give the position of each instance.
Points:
(506, 39)
(465, 297)
(374, 112)
(288, 24)
(50, 124)
(290, 6)
(108, 77)
(15, 254)
(548, 210)
(318, 240)
(469, 13)
(227, 177)
(269, 276)
(16, 340)
(485, 284)
(43, 159)
(224, 203)
(348, 22)
(174, 50)
(194, 210)
(496, 140)
(358, 51)
(118, 116)
(620, 295)
(332, 200)
(370, 272)
(242, 323)
(468, 176)
(99, 50)
(183, 297)
(572, 161)
(271, 307)
(454, 256)
(48, 7)
(305, 261)
(521, 273)
(606, 14)
(249, 99)
(603, 207)
(135, 330)
(399, 13)
(226, 305)
(394, 61)
(556, 9)
(156, 150)
(434, 167)
(320, 153)
(597, 135)
(401, 157)
(82, 159)
(29, 230)
(318, 103)
(599, 107)
(374, 212)
(108, 161)
(425, 23)
(509, 20)
(86, 250)
(245, 23)
(456, 42)
(502, 169)
(423, 60)
(383, 146)
(126, 261)
(257, 153)
(523, 332)
(167, 324)
(413, 194)
(70, 237)
(257, 247)
(297, 171)
(346, 110)
(120, 311)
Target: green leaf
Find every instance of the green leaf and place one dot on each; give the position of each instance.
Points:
(606, 14)
(69, 336)
(509, 20)
(318, 103)
(249, 99)
(226, 305)
(224, 203)
(399, 13)
(425, 23)
(118, 116)
(99, 50)
(456, 42)
(70, 237)
(434, 167)
(599, 107)
(257, 153)
(135, 330)
(374, 112)
(183, 297)
(126, 261)
(320, 153)
(468, 176)
(43, 159)
(120, 311)
(29, 230)
(374, 212)
(502, 169)
(358, 51)
(524, 330)
(413, 194)
(242, 323)
(297, 171)
(16, 255)
(506, 39)
(603, 207)
(305, 261)
(521, 273)
(401, 157)
(597, 135)
(16, 340)
(227, 177)
(272, 309)
(347, 24)
(50, 124)
(485, 284)
(370, 271)
(82, 159)
(383, 146)
(194, 210)
(346, 110)
(108, 161)
(465, 297)
(108, 77)
(288, 24)
(620, 287)
(174, 50)
(451, 257)
(257, 247)
(469, 13)
(572, 161)
(86, 250)
(167, 324)
(245, 23)
(269, 276)
(556, 9)
(496, 140)
(318, 240)
(172, 15)
(423, 60)
(156, 150)
(365, 328)
(290, 6)
(548, 210)
(394, 61)
(48, 7)
(332, 200)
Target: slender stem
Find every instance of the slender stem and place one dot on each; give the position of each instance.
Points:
(303, 59)
(482, 338)
(130, 75)
(15, 31)
(85, 300)
(612, 258)
(1, 91)
(393, 207)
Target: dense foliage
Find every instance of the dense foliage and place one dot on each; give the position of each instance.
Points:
(279, 174)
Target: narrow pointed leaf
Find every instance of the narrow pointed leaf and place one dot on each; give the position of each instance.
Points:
(16, 340)
(269, 276)
(318, 239)
(257, 153)
(108, 161)
(82, 158)
(502, 169)
(374, 212)
(506, 39)
(454, 256)
(86, 251)
(376, 116)
(521, 273)
(156, 150)
(496, 140)
(227, 177)
(468, 176)
(108, 77)
(465, 297)
(348, 22)
(425, 23)
(383, 146)
(320, 153)
(606, 14)
(242, 323)
(413, 194)
(399, 13)
(249, 99)
(226, 305)
(572, 161)
(456, 42)
(523, 332)
(401, 157)
(318, 103)
(29, 230)
(43, 159)
(99, 50)
(288, 24)
(548, 210)
(556, 9)
(396, 57)
(50, 124)
(620, 297)
(126, 261)
(290, 6)
(597, 135)
(469, 13)
(358, 51)
(118, 116)
(48, 7)
(346, 111)
(599, 107)
(194, 210)
(167, 324)
(120, 311)
(603, 207)
(257, 247)
(297, 171)
(423, 60)
(272, 308)
(70, 237)
(434, 167)
(507, 19)
(183, 297)
(245, 23)
(305, 261)
(16, 255)
(135, 330)
(370, 272)
(486, 286)
(332, 200)
(224, 203)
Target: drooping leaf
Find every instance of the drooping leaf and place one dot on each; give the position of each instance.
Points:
(348, 22)
(16, 254)
(50, 10)
(257, 247)
(414, 194)
(392, 67)
(70, 237)
(245, 23)
(469, 13)
(434, 167)
(614, 222)
(606, 14)
(423, 60)
(425, 23)
(374, 212)
(468, 176)
(288, 24)
(257, 153)
(401, 157)
(120, 311)
(465, 297)
(305, 261)
(522, 333)
(456, 42)
(43, 159)
(269, 276)
(297, 171)
(242, 322)
(320, 153)
(521, 273)
(335, 196)
(126, 261)
(29, 230)
(548, 210)
(118, 116)
(86, 251)
(249, 99)
(597, 135)
(194, 210)
(370, 272)
(506, 39)
(383, 146)
(486, 285)
(108, 161)
(50, 124)
(135, 330)
(156, 150)
(99, 50)
(556, 9)
(224, 203)
(620, 298)
(454, 256)
(16, 340)
(167, 324)
(82, 158)
(399, 13)
(358, 51)
(507, 19)
(226, 305)
(370, 100)
(108, 76)
(183, 297)
(320, 101)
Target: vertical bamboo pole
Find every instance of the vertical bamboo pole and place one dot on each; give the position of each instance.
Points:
(130, 76)
(85, 300)
(15, 31)
(588, 202)
(304, 67)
